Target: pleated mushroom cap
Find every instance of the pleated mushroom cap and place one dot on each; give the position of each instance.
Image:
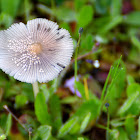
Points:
(37, 51)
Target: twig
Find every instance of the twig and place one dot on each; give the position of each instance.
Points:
(6, 108)
(85, 55)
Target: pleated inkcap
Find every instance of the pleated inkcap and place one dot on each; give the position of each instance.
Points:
(38, 51)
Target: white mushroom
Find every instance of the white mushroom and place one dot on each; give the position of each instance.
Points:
(34, 52)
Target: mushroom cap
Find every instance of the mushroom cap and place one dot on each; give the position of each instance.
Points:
(34, 52)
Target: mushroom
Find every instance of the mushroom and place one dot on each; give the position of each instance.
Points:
(38, 51)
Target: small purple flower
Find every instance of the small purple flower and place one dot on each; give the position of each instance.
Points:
(70, 84)
(97, 44)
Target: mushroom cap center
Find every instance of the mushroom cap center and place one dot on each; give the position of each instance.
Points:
(35, 48)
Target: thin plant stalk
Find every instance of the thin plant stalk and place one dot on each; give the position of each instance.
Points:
(29, 135)
(6, 108)
(28, 130)
(103, 96)
(53, 7)
(101, 126)
(76, 54)
(35, 88)
(108, 122)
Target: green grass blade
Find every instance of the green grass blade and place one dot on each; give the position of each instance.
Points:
(8, 124)
(139, 128)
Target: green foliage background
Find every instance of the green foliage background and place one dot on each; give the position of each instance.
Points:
(57, 113)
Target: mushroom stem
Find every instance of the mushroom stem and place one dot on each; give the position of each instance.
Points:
(35, 88)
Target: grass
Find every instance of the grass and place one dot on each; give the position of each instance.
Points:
(57, 112)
